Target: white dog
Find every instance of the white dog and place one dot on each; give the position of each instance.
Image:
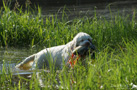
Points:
(56, 55)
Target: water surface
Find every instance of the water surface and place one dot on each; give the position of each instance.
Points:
(105, 10)
(9, 57)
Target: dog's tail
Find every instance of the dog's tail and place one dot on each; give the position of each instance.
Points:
(26, 64)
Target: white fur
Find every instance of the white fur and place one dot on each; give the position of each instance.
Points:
(54, 55)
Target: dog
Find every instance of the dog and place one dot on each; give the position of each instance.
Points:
(57, 55)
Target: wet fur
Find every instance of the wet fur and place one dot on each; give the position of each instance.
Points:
(54, 55)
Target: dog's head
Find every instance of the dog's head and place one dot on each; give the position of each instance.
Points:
(81, 46)
(83, 43)
(83, 39)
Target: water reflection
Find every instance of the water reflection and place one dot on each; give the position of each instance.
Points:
(11, 56)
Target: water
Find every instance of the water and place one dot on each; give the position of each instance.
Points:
(11, 56)
(101, 9)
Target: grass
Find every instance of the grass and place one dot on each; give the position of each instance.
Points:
(115, 40)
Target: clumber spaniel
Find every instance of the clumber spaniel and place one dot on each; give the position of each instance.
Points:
(80, 45)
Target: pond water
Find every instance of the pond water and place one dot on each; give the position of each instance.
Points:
(11, 56)
(101, 9)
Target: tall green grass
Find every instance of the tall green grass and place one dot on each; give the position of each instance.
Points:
(112, 70)
(26, 29)
(115, 40)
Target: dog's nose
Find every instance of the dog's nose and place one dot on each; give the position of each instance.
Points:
(89, 44)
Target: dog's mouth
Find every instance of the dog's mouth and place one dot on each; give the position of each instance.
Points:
(85, 50)
(81, 52)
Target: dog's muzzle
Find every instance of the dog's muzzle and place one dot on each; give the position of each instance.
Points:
(84, 49)
(81, 51)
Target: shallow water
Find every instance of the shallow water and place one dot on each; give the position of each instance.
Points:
(11, 56)
(102, 10)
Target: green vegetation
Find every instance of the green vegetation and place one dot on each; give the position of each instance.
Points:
(115, 40)
(23, 29)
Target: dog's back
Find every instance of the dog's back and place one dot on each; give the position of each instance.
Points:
(43, 58)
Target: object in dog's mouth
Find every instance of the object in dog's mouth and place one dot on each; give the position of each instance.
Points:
(79, 52)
